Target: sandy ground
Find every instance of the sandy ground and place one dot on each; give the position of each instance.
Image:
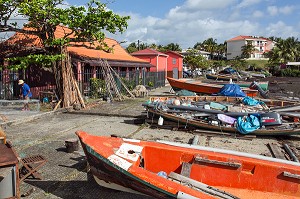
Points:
(65, 176)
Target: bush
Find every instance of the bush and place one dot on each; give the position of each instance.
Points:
(98, 87)
(290, 73)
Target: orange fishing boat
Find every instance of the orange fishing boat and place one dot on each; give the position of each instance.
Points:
(205, 88)
(172, 170)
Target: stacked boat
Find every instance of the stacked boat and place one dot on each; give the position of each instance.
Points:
(171, 170)
(229, 114)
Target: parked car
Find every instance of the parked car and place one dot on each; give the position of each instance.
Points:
(197, 73)
(187, 74)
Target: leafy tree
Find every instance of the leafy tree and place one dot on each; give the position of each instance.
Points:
(87, 24)
(210, 46)
(173, 47)
(247, 50)
(285, 50)
(194, 60)
(132, 48)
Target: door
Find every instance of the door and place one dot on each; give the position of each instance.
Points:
(175, 73)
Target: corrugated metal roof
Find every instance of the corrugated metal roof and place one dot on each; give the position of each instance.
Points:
(22, 41)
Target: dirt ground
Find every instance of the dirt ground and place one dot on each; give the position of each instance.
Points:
(284, 87)
(64, 175)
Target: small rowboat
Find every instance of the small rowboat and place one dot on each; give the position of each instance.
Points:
(271, 103)
(263, 85)
(172, 170)
(200, 121)
(204, 88)
(222, 77)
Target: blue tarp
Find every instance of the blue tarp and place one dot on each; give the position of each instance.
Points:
(248, 124)
(251, 101)
(232, 90)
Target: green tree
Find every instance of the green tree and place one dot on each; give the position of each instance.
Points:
(132, 48)
(285, 50)
(247, 49)
(210, 46)
(87, 24)
(173, 47)
(194, 60)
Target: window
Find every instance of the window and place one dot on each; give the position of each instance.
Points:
(173, 61)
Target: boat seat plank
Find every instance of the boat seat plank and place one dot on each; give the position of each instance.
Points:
(208, 161)
(291, 175)
(201, 186)
(186, 169)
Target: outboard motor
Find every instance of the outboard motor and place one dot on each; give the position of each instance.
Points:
(256, 86)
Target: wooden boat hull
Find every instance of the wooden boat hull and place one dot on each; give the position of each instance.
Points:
(204, 88)
(203, 125)
(243, 84)
(222, 77)
(236, 174)
(271, 103)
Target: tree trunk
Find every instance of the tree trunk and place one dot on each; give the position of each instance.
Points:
(66, 84)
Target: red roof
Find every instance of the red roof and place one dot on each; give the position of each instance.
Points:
(244, 37)
(149, 51)
(84, 49)
(173, 52)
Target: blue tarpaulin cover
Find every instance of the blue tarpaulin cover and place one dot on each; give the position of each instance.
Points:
(232, 90)
(251, 101)
(248, 124)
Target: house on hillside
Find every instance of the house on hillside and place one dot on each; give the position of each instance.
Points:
(205, 54)
(262, 45)
(84, 57)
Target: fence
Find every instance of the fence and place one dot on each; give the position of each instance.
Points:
(131, 79)
(9, 88)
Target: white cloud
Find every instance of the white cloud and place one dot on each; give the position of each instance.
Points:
(207, 4)
(280, 29)
(272, 10)
(258, 14)
(247, 3)
(188, 24)
(286, 10)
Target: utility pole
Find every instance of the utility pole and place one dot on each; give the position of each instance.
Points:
(138, 44)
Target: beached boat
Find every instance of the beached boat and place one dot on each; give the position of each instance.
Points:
(224, 77)
(204, 88)
(171, 170)
(272, 104)
(264, 85)
(209, 120)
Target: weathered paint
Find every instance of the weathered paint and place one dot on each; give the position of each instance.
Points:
(255, 178)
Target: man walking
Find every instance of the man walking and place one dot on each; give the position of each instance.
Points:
(26, 94)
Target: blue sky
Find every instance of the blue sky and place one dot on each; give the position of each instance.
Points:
(187, 22)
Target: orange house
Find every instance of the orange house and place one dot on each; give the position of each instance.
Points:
(174, 65)
(85, 59)
(156, 58)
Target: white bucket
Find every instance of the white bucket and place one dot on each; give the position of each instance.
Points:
(160, 121)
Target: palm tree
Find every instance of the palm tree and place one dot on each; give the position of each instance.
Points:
(210, 46)
(173, 47)
(247, 50)
(285, 50)
(221, 50)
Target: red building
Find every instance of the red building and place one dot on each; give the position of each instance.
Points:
(174, 64)
(156, 58)
(170, 62)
